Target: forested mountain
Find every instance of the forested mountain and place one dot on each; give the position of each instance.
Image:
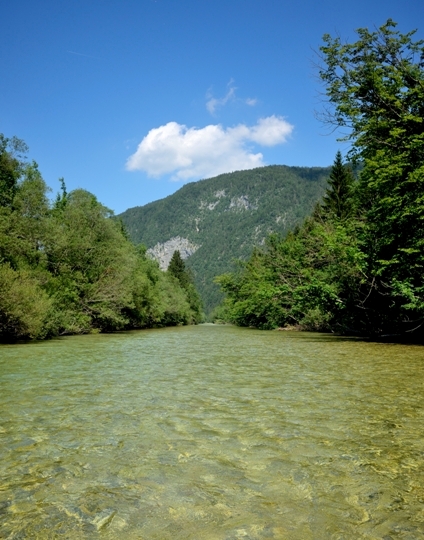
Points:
(221, 219)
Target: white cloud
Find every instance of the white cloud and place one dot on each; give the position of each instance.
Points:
(212, 103)
(193, 153)
(271, 131)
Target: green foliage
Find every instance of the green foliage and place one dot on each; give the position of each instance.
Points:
(220, 314)
(338, 199)
(69, 268)
(24, 306)
(61, 198)
(376, 86)
(177, 268)
(357, 264)
(305, 279)
(11, 151)
(226, 216)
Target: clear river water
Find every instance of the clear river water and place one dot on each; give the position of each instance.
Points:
(211, 432)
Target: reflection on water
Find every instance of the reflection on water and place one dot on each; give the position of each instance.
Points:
(211, 433)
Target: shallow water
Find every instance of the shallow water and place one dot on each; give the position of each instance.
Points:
(211, 432)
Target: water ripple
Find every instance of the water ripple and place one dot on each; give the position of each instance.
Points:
(211, 432)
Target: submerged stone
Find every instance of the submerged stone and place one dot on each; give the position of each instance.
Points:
(103, 518)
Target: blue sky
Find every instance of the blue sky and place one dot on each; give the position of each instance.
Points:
(130, 99)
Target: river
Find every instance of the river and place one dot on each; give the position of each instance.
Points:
(211, 432)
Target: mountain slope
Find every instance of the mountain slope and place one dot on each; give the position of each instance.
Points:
(222, 218)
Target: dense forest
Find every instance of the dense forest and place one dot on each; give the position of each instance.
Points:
(68, 267)
(356, 264)
(227, 216)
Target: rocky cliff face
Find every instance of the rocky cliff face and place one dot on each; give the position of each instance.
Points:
(236, 203)
(162, 253)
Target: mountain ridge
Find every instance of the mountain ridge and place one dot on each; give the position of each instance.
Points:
(226, 216)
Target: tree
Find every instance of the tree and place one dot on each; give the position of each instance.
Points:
(90, 262)
(24, 306)
(61, 198)
(11, 151)
(177, 268)
(375, 89)
(69, 267)
(338, 201)
(308, 279)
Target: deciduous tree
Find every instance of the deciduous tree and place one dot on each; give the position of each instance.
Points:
(375, 90)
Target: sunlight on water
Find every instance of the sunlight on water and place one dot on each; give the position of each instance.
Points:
(211, 432)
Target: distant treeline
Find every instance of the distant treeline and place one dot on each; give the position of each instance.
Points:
(356, 265)
(68, 267)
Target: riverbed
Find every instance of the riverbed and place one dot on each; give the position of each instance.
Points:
(211, 432)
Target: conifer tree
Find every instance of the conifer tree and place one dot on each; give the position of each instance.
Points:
(177, 268)
(61, 198)
(337, 201)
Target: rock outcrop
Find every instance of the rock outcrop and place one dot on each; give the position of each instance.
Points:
(162, 253)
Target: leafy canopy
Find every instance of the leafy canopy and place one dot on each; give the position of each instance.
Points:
(376, 89)
(357, 264)
(68, 267)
